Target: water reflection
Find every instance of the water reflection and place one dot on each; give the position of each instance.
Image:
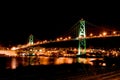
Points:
(88, 60)
(63, 60)
(14, 62)
(44, 60)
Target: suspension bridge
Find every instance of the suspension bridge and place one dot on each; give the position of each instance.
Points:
(76, 32)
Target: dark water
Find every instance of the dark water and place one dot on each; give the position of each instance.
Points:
(50, 68)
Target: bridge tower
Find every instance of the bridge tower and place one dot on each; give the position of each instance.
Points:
(81, 38)
(31, 39)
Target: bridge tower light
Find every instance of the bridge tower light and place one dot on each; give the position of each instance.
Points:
(31, 39)
(82, 41)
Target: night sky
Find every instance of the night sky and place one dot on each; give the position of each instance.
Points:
(47, 22)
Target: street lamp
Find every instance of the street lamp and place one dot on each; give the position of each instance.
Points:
(104, 33)
(91, 34)
(114, 32)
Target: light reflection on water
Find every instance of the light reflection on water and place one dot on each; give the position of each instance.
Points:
(87, 60)
(14, 62)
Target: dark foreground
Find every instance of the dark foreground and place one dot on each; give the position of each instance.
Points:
(60, 72)
(51, 72)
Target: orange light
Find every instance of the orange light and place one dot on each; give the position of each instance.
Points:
(114, 32)
(104, 33)
(91, 34)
